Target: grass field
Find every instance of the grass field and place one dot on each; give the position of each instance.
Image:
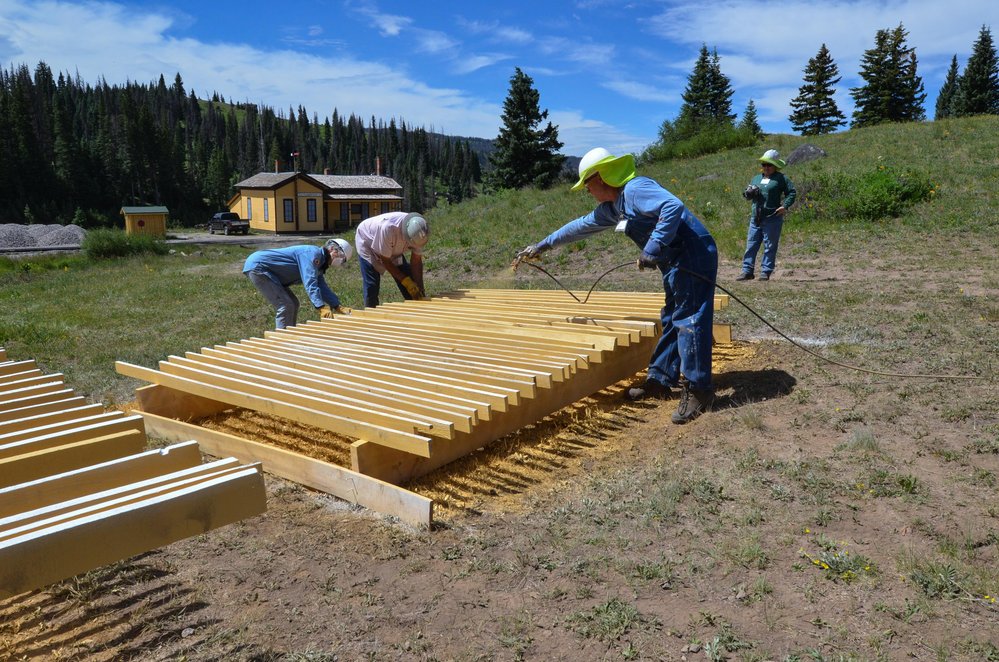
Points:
(818, 513)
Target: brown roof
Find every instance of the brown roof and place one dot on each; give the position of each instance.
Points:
(373, 184)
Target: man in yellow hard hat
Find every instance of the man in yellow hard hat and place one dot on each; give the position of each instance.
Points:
(672, 240)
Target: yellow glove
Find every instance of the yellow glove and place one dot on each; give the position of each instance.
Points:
(326, 313)
(412, 288)
(342, 310)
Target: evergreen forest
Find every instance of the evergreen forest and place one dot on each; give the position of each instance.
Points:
(71, 152)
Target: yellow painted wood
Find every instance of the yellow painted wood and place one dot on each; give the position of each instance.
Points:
(18, 435)
(425, 392)
(323, 402)
(75, 546)
(85, 505)
(36, 420)
(316, 474)
(40, 461)
(42, 408)
(63, 485)
(410, 443)
(408, 400)
(29, 400)
(499, 398)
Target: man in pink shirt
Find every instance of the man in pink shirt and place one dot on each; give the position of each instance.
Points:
(382, 242)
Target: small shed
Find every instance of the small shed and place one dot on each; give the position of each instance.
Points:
(145, 220)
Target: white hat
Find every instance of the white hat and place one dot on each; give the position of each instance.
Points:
(415, 229)
(342, 247)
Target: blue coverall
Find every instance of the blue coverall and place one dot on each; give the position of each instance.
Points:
(272, 270)
(660, 224)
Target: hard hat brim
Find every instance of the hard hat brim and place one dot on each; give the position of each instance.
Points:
(615, 171)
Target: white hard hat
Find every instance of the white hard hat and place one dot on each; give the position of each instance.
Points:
(592, 157)
(415, 229)
(341, 246)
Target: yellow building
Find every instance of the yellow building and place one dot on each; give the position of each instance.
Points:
(145, 220)
(296, 202)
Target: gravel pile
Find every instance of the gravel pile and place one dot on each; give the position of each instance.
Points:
(13, 235)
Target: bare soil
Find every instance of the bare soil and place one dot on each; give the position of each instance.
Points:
(817, 513)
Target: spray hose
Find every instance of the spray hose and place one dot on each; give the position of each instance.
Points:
(519, 261)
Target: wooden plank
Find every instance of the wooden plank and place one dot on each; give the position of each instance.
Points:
(14, 436)
(30, 400)
(398, 468)
(50, 555)
(316, 474)
(407, 442)
(44, 418)
(78, 433)
(430, 396)
(42, 408)
(543, 371)
(3, 354)
(406, 399)
(525, 382)
(400, 338)
(498, 397)
(511, 387)
(311, 398)
(184, 406)
(13, 399)
(16, 376)
(37, 463)
(24, 387)
(10, 367)
(24, 523)
(65, 485)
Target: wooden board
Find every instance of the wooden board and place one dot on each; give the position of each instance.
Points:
(458, 371)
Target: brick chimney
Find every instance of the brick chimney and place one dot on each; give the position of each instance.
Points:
(276, 162)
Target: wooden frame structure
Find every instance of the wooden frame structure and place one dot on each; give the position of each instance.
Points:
(414, 385)
(78, 489)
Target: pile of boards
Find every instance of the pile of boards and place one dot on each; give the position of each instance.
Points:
(79, 488)
(410, 385)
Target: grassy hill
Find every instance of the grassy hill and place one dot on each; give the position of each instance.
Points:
(818, 513)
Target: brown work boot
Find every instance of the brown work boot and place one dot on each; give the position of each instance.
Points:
(693, 403)
(650, 390)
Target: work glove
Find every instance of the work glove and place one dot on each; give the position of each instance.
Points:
(412, 288)
(325, 312)
(530, 253)
(646, 261)
(342, 310)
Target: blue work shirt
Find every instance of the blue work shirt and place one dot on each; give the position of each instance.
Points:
(657, 221)
(296, 264)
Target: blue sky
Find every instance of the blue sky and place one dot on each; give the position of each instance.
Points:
(608, 72)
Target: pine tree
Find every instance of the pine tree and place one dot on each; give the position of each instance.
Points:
(525, 155)
(893, 91)
(707, 100)
(750, 122)
(814, 109)
(978, 89)
(945, 99)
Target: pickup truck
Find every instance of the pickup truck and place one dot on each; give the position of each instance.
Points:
(228, 223)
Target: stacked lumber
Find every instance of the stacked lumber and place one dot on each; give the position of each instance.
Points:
(414, 385)
(79, 489)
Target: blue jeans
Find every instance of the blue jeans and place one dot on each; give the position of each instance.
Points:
(687, 319)
(285, 303)
(766, 232)
(371, 281)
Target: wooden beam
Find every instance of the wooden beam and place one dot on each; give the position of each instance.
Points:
(181, 405)
(46, 418)
(11, 437)
(10, 367)
(16, 376)
(65, 485)
(407, 442)
(316, 474)
(36, 463)
(30, 400)
(42, 408)
(62, 551)
(25, 387)
(71, 435)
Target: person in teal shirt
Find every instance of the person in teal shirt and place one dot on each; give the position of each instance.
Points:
(772, 194)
